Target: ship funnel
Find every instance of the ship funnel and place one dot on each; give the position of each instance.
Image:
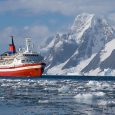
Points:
(12, 48)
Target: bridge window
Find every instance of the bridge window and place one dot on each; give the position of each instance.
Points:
(23, 61)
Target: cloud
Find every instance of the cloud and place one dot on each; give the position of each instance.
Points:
(65, 7)
(4, 37)
(38, 33)
(6, 33)
(111, 16)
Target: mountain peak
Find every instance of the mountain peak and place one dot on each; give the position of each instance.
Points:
(81, 23)
(82, 20)
(87, 22)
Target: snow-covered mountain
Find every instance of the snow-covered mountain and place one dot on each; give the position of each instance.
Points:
(103, 61)
(83, 48)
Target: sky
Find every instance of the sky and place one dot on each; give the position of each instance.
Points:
(40, 19)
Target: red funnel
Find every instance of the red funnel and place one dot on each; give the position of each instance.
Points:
(12, 46)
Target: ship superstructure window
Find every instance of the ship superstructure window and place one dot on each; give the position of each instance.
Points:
(23, 61)
(31, 58)
(30, 55)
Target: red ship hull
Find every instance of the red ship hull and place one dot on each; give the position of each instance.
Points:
(27, 70)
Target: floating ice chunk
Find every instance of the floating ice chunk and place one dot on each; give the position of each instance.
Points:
(84, 98)
(102, 102)
(64, 89)
(99, 94)
(88, 98)
(94, 84)
(108, 72)
(43, 101)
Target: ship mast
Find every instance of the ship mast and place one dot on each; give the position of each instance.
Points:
(28, 45)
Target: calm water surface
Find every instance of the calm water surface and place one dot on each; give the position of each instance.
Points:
(56, 97)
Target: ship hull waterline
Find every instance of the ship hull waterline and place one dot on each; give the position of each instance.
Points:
(27, 70)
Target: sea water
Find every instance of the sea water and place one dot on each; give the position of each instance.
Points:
(56, 97)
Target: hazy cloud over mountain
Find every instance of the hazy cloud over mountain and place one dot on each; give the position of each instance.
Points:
(41, 18)
(66, 7)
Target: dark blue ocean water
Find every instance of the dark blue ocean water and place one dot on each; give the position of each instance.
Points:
(57, 96)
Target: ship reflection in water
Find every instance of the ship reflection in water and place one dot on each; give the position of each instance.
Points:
(56, 97)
